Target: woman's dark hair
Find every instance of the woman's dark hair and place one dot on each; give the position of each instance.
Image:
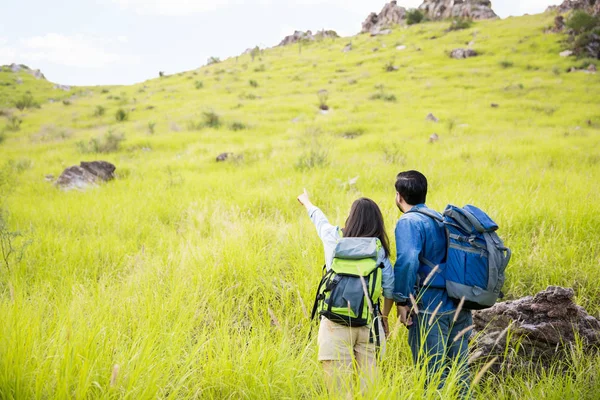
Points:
(365, 220)
(412, 186)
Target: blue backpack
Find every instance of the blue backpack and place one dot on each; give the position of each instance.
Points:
(474, 267)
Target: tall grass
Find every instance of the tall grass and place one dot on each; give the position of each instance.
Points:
(159, 283)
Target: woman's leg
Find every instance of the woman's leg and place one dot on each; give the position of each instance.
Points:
(336, 344)
(366, 359)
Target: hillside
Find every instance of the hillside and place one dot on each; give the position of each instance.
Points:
(192, 276)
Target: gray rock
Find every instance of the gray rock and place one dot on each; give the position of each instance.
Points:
(347, 48)
(66, 88)
(19, 81)
(223, 157)
(434, 138)
(534, 329)
(85, 175)
(463, 53)
(431, 117)
(566, 53)
(470, 9)
(391, 14)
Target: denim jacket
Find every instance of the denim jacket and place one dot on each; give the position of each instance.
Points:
(330, 235)
(418, 234)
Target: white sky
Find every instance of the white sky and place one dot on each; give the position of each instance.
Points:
(87, 42)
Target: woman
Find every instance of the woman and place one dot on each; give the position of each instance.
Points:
(340, 345)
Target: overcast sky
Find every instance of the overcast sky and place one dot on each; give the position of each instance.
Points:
(93, 42)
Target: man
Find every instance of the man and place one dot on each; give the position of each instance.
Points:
(437, 335)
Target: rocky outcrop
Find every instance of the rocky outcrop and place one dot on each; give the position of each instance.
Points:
(470, 9)
(85, 175)
(535, 329)
(36, 73)
(307, 36)
(590, 6)
(391, 14)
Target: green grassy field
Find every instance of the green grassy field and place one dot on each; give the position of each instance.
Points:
(193, 276)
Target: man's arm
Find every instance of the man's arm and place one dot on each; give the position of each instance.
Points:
(409, 242)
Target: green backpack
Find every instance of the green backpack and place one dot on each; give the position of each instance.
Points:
(342, 294)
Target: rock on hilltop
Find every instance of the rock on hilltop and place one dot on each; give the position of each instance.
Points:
(36, 73)
(443, 9)
(590, 6)
(299, 36)
(391, 14)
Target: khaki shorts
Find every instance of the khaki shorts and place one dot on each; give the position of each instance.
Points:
(343, 343)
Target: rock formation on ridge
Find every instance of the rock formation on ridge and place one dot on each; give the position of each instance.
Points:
(391, 14)
(590, 6)
(444, 9)
(299, 36)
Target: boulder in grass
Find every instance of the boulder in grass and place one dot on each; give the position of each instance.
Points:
(536, 330)
(85, 175)
(462, 53)
(223, 157)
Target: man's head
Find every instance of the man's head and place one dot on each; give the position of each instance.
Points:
(411, 189)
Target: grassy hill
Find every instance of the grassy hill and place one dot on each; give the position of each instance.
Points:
(188, 278)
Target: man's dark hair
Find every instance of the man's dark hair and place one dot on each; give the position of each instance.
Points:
(365, 220)
(412, 186)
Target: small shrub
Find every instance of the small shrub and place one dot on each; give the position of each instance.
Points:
(161, 74)
(199, 84)
(2, 136)
(556, 70)
(238, 126)
(390, 67)
(121, 115)
(66, 102)
(151, 126)
(13, 123)
(506, 64)
(211, 119)
(260, 68)
(213, 60)
(382, 95)
(460, 24)
(109, 143)
(580, 22)
(99, 111)
(315, 157)
(253, 83)
(26, 101)
(414, 16)
(105, 91)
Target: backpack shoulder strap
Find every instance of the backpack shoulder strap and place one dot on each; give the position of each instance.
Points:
(428, 212)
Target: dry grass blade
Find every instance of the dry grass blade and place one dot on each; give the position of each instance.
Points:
(459, 308)
(396, 330)
(364, 286)
(431, 274)
(502, 334)
(483, 371)
(114, 375)
(474, 356)
(274, 320)
(302, 304)
(462, 333)
(414, 303)
(432, 317)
